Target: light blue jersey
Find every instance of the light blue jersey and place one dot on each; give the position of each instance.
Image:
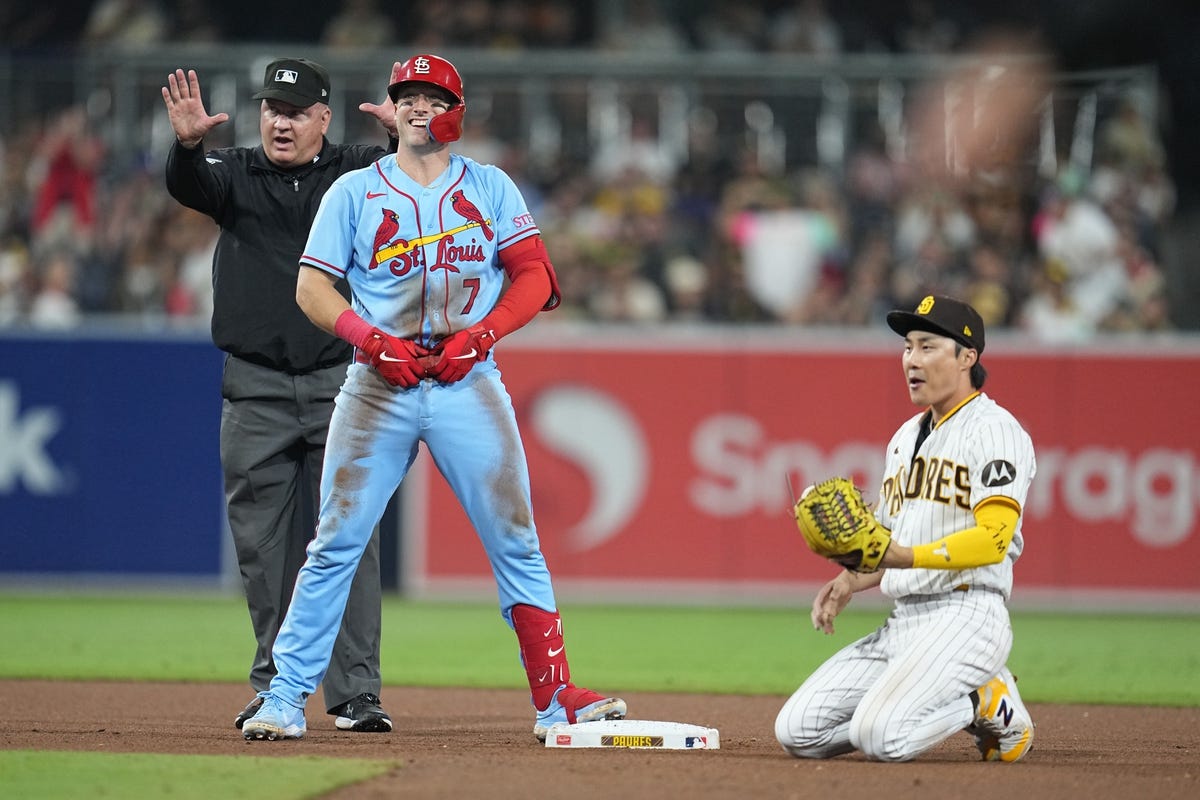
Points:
(422, 261)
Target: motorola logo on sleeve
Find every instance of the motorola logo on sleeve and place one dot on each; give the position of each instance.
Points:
(998, 473)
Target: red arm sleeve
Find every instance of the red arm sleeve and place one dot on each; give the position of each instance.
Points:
(533, 286)
(531, 254)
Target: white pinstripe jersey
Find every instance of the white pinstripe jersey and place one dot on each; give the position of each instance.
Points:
(977, 451)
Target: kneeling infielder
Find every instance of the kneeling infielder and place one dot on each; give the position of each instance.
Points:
(942, 542)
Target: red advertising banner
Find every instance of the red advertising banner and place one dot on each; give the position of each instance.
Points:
(664, 464)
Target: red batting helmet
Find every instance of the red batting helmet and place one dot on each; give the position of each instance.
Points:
(426, 68)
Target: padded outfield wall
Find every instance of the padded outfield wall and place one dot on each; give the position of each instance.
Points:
(660, 461)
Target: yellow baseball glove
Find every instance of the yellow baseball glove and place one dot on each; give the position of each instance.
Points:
(838, 525)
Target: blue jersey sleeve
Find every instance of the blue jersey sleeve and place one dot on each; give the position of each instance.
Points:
(330, 245)
(513, 220)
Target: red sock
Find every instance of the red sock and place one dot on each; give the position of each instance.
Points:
(542, 652)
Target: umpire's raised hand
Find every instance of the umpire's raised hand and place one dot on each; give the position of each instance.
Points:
(185, 107)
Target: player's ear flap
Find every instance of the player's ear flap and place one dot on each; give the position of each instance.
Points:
(446, 128)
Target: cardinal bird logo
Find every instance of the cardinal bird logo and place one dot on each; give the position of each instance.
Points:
(467, 210)
(387, 229)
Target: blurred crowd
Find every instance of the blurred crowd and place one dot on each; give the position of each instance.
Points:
(636, 234)
(806, 26)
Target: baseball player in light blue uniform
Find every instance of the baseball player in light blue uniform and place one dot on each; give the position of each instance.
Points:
(426, 240)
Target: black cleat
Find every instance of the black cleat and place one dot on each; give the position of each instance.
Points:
(362, 714)
(249, 711)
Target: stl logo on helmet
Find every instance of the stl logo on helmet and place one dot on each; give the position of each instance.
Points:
(421, 65)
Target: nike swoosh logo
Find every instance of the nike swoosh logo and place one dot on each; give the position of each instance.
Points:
(386, 357)
(542, 677)
(552, 652)
(468, 355)
(373, 195)
(549, 631)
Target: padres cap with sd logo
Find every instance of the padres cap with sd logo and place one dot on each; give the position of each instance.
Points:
(944, 316)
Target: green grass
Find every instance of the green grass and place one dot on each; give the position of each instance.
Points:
(1068, 658)
(23, 773)
(1060, 658)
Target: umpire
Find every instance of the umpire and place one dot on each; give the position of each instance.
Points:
(281, 371)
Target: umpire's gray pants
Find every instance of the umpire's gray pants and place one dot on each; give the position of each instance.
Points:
(273, 428)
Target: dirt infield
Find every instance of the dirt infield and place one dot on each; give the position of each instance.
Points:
(477, 743)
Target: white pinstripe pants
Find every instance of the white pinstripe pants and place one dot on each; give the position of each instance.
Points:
(904, 688)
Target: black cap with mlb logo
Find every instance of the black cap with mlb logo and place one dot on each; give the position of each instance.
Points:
(295, 80)
(944, 316)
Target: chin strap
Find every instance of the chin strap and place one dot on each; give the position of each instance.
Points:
(446, 128)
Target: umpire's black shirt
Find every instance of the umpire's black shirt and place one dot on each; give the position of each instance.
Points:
(264, 213)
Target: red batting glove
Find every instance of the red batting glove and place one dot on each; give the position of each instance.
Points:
(460, 351)
(394, 358)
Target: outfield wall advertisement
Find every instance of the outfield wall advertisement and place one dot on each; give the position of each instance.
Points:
(660, 467)
(109, 462)
(661, 463)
